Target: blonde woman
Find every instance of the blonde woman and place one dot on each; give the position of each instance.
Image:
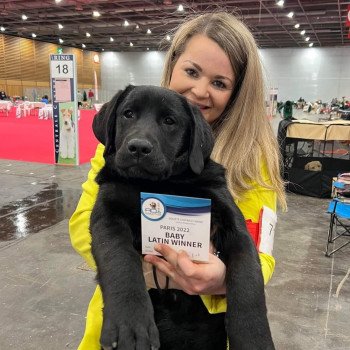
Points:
(213, 62)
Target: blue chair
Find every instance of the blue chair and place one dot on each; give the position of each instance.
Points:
(339, 226)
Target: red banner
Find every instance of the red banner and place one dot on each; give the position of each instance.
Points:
(348, 17)
(349, 34)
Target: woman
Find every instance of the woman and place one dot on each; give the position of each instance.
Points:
(213, 61)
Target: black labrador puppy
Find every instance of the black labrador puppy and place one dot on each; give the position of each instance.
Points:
(156, 142)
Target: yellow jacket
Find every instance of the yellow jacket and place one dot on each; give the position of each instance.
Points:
(81, 241)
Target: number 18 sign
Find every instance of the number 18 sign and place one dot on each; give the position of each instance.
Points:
(61, 66)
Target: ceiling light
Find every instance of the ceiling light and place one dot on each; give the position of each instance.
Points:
(297, 26)
(147, 48)
(96, 14)
(60, 40)
(311, 44)
(131, 44)
(137, 26)
(102, 49)
(83, 46)
(58, 1)
(33, 35)
(126, 23)
(307, 38)
(111, 39)
(302, 32)
(60, 26)
(149, 31)
(290, 14)
(2, 29)
(24, 17)
(88, 34)
(168, 37)
(180, 8)
(280, 3)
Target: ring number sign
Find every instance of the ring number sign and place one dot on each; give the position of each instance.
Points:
(61, 67)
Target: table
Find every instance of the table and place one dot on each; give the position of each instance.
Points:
(5, 107)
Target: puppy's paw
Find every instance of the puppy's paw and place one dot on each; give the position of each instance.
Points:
(138, 334)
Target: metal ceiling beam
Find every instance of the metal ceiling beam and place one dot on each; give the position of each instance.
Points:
(302, 8)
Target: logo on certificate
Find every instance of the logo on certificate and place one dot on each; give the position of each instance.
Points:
(153, 209)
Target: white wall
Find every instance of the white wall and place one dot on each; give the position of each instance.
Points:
(311, 73)
(119, 69)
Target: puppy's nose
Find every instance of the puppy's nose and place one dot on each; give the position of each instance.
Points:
(139, 147)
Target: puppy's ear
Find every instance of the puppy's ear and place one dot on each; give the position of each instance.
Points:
(104, 123)
(202, 140)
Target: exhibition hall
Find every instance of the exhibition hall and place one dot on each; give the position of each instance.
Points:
(175, 174)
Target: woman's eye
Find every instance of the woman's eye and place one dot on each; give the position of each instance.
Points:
(128, 114)
(191, 72)
(169, 121)
(219, 84)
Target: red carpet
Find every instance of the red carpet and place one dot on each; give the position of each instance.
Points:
(31, 140)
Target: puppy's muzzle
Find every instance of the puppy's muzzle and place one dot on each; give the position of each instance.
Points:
(139, 148)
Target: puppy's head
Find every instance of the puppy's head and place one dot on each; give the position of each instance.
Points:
(67, 118)
(153, 133)
(315, 165)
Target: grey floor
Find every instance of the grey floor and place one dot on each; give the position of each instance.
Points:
(45, 286)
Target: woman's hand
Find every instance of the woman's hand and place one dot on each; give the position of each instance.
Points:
(192, 278)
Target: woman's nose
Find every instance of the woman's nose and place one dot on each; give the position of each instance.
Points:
(201, 89)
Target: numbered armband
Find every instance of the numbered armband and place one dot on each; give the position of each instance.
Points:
(268, 220)
(263, 232)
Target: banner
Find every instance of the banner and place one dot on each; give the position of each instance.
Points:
(65, 111)
(347, 23)
(272, 103)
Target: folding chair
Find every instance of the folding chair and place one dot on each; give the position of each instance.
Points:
(339, 225)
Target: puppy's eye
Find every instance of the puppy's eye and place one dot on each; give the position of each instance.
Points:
(128, 114)
(169, 121)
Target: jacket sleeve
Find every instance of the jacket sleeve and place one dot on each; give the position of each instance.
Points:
(79, 223)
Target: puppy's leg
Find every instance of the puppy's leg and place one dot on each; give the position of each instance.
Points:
(246, 317)
(128, 321)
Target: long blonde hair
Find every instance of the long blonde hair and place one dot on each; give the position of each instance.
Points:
(244, 137)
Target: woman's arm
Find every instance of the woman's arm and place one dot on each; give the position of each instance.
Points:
(79, 223)
(207, 280)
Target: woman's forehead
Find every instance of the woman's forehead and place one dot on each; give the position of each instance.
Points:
(206, 53)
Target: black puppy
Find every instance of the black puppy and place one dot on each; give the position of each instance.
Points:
(156, 142)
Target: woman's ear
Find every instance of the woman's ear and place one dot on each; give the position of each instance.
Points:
(104, 123)
(202, 140)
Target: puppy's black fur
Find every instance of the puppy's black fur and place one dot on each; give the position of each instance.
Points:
(156, 142)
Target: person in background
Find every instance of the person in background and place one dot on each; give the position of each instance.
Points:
(91, 96)
(45, 99)
(80, 99)
(3, 95)
(213, 61)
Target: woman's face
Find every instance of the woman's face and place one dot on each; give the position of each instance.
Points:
(204, 75)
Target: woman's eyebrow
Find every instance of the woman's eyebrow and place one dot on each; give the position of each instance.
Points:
(201, 70)
(195, 65)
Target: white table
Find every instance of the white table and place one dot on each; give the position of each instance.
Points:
(5, 107)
